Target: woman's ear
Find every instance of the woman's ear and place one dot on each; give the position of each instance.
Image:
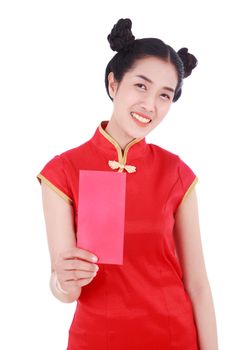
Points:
(112, 84)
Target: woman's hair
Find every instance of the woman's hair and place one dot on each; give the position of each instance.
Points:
(130, 49)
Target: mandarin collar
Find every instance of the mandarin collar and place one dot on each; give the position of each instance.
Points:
(108, 145)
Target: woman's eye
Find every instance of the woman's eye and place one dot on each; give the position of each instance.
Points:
(139, 85)
(166, 96)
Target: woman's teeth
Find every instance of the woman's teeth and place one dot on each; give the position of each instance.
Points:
(141, 119)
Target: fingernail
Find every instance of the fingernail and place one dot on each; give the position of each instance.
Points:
(94, 258)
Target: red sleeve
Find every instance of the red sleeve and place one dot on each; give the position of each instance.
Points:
(186, 181)
(54, 175)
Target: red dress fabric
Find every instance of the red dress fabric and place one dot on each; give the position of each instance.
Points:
(141, 304)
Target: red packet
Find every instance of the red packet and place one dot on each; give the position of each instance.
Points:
(101, 214)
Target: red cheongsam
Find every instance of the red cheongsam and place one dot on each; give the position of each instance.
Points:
(142, 304)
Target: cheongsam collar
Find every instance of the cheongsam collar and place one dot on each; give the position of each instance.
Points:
(118, 159)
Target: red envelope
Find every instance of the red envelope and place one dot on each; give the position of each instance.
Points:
(101, 214)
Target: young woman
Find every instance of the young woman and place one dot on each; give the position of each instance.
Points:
(160, 297)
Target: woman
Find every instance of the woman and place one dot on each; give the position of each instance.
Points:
(160, 297)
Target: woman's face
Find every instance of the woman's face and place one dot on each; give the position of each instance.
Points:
(147, 90)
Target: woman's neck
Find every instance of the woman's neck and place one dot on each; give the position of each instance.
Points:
(117, 134)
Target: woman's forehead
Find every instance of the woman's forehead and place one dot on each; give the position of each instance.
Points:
(154, 70)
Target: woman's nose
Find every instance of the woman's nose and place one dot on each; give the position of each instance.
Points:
(148, 104)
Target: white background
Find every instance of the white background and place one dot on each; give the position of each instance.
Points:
(52, 63)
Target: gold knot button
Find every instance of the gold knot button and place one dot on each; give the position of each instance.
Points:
(116, 165)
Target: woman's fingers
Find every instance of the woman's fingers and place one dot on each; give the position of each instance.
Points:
(76, 275)
(73, 268)
(77, 264)
(78, 253)
(67, 285)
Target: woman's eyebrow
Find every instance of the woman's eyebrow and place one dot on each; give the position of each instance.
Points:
(150, 81)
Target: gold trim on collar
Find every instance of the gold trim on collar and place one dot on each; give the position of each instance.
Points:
(121, 158)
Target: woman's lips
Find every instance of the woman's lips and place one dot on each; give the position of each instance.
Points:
(143, 115)
(138, 122)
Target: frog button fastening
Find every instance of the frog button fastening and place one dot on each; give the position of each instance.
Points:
(115, 165)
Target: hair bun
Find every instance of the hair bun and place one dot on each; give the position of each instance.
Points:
(189, 61)
(121, 37)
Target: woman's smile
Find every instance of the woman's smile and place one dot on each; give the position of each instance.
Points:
(144, 117)
(140, 120)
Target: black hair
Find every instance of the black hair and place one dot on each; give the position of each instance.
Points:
(129, 50)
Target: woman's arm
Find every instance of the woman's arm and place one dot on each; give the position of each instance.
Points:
(67, 261)
(189, 249)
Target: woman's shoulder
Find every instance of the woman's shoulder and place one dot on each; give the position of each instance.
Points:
(74, 152)
(168, 159)
(164, 153)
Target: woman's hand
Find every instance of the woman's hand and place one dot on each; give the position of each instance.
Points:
(75, 268)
